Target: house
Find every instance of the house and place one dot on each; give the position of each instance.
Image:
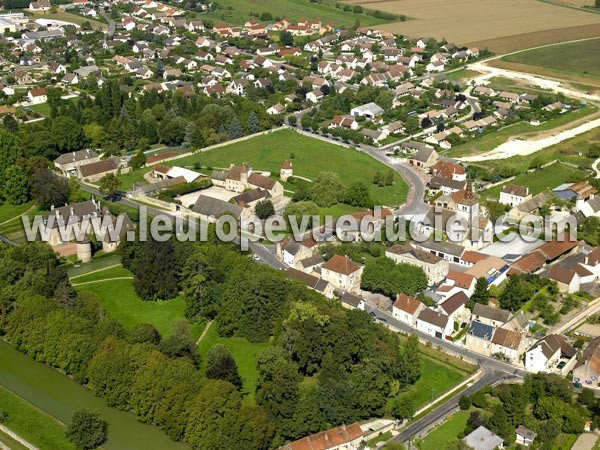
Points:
(344, 437)
(40, 5)
(344, 122)
(68, 162)
(292, 252)
(587, 368)
(424, 157)
(70, 78)
(483, 439)
(489, 315)
(369, 111)
(249, 199)
(525, 436)
(342, 273)
(513, 195)
(547, 352)
(37, 95)
(351, 301)
(508, 343)
(95, 170)
(406, 309)
(531, 206)
(434, 323)
(310, 281)
(446, 185)
(375, 135)
(568, 280)
(315, 96)
(455, 307)
(277, 108)
(479, 338)
(435, 268)
(445, 168)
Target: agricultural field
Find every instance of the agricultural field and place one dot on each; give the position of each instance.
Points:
(244, 353)
(446, 432)
(309, 157)
(488, 23)
(119, 299)
(576, 61)
(238, 11)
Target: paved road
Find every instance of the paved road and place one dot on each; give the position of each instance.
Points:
(110, 32)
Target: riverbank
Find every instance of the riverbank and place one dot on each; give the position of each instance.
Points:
(58, 396)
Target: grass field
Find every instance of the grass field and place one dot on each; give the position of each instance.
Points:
(311, 157)
(238, 11)
(577, 58)
(13, 229)
(69, 17)
(468, 21)
(548, 177)
(31, 424)
(489, 141)
(102, 274)
(8, 211)
(120, 300)
(244, 353)
(436, 378)
(446, 432)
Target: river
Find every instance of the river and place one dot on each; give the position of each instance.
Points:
(59, 396)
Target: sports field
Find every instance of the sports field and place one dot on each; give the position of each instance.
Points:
(487, 22)
(579, 61)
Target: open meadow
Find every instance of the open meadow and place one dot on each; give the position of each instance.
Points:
(309, 157)
(487, 22)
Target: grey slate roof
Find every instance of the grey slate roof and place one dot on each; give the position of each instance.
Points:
(214, 207)
(481, 330)
(483, 439)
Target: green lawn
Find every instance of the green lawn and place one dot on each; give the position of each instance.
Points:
(120, 300)
(311, 156)
(102, 274)
(579, 58)
(446, 432)
(133, 176)
(491, 140)
(238, 11)
(244, 353)
(13, 229)
(8, 211)
(540, 180)
(436, 378)
(31, 424)
(461, 74)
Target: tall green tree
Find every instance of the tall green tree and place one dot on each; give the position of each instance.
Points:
(16, 186)
(156, 275)
(220, 365)
(109, 184)
(86, 429)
